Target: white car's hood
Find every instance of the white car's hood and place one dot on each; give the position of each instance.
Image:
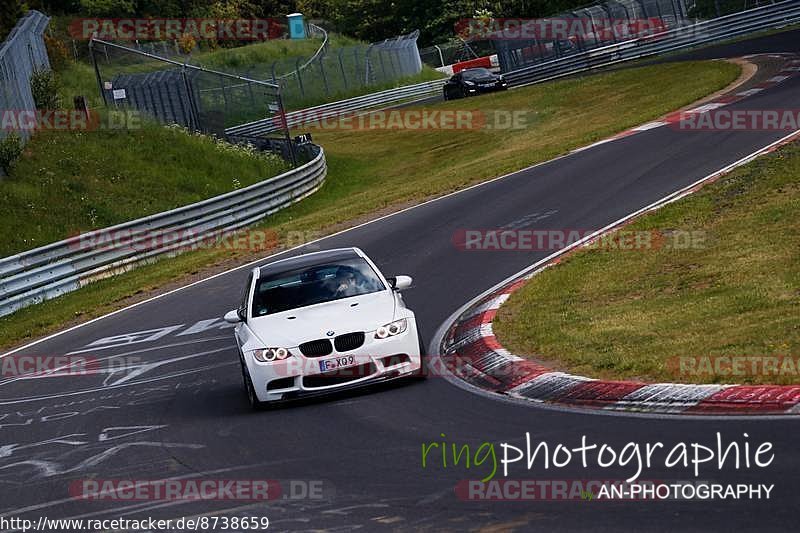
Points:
(357, 313)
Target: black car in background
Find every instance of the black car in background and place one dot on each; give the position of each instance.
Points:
(473, 81)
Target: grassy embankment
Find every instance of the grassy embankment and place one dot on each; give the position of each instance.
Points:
(379, 170)
(735, 292)
(255, 61)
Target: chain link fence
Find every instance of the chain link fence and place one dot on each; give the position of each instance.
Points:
(334, 73)
(593, 27)
(672, 13)
(194, 97)
(717, 8)
(590, 27)
(441, 55)
(179, 89)
(212, 101)
(21, 54)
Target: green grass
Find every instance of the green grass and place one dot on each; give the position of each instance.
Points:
(78, 78)
(735, 292)
(560, 115)
(252, 60)
(335, 77)
(70, 182)
(381, 170)
(253, 57)
(314, 92)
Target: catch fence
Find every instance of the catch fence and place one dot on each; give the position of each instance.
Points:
(21, 54)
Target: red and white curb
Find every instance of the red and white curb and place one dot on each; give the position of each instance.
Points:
(790, 68)
(471, 352)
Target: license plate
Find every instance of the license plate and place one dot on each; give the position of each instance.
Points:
(487, 84)
(337, 362)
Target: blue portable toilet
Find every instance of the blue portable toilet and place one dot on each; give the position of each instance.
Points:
(297, 27)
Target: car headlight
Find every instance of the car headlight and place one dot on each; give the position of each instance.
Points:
(391, 329)
(268, 355)
(470, 83)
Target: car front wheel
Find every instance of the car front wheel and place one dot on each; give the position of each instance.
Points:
(249, 390)
(422, 373)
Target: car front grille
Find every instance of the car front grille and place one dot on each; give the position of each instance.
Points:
(316, 348)
(349, 341)
(323, 347)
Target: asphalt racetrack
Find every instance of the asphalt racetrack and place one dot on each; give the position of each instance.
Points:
(182, 414)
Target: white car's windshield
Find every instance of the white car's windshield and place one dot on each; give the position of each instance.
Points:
(314, 284)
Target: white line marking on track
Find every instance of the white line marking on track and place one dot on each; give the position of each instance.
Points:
(750, 92)
(261, 260)
(444, 327)
(706, 108)
(650, 125)
(159, 347)
(598, 143)
(193, 370)
(71, 499)
(272, 256)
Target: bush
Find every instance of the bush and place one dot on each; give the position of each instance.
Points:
(187, 43)
(44, 87)
(10, 150)
(108, 8)
(56, 52)
(9, 15)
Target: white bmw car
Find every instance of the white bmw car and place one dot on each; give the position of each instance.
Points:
(320, 322)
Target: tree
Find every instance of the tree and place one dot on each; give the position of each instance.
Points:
(10, 12)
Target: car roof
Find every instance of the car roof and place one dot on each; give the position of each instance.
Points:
(308, 260)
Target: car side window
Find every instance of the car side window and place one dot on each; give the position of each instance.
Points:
(243, 303)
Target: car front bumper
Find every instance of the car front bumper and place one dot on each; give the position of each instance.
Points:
(376, 359)
(491, 89)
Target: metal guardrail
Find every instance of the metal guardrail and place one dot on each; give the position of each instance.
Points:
(58, 268)
(602, 23)
(322, 50)
(689, 36)
(334, 109)
(729, 26)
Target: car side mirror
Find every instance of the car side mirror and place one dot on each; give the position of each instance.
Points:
(399, 283)
(232, 317)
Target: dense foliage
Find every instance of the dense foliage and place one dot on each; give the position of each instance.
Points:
(10, 12)
(370, 20)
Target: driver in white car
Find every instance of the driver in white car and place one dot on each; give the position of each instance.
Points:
(348, 283)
